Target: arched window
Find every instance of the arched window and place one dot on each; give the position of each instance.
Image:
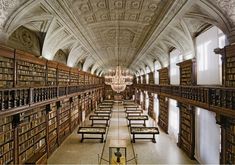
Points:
(156, 106)
(137, 80)
(209, 68)
(157, 66)
(173, 126)
(207, 137)
(147, 74)
(141, 97)
(175, 57)
(146, 100)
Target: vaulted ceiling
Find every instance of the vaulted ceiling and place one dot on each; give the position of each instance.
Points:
(94, 34)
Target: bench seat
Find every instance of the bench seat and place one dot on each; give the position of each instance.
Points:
(100, 118)
(133, 112)
(137, 118)
(144, 131)
(92, 130)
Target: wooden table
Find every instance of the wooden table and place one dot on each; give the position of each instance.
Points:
(144, 131)
(99, 118)
(92, 130)
(137, 118)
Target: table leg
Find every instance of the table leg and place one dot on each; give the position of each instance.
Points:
(144, 123)
(154, 140)
(82, 138)
(102, 138)
(133, 138)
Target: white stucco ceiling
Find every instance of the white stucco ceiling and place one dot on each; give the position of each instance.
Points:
(98, 32)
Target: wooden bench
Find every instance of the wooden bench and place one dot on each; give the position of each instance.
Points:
(144, 131)
(99, 118)
(107, 103)
(133, 107)
(98, 112)
(92, 130)
(104, 107)
(129, 101)
(137, 118)
(128, 112)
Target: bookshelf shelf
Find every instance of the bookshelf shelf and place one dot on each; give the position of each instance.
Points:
(187, 72)
(163, 113)
(164, 76)
(187, 129)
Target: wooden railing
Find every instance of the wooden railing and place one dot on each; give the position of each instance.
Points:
(219, 99)
(14, 100)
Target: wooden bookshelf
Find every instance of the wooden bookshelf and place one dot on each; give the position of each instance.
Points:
(81, 78)
(63, 74)
(187, 72)
(187, 129)
(21, 69)
(6, 141)
(86, 79)
(74, 112)
(7, 66)
(35, 116)
(151, 112)
(228, 65)
(86, 104)
(163, 113)
(151, 78)
(31, 133)
(64, 119)
(31, 71)
(144, 79)
(74, 79)
(52, 73)
(52, 128)
(228, 141)
(164, 76)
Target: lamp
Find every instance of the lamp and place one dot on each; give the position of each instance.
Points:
(119, 80)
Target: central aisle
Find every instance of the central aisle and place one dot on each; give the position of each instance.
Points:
(118, 130)
(72, 151)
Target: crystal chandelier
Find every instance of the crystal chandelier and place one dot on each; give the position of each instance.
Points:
(118, 79)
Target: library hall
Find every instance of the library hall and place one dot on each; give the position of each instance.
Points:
(117, 82)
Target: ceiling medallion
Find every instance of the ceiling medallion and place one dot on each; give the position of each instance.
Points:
(132, 17)
(84, 8)
(152, 7)
(89, 19)
(104, 17)
(135, 5)
(101, 5)
(118, 4)
(147, 19)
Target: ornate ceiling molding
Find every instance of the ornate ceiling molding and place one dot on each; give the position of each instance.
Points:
(137, 31)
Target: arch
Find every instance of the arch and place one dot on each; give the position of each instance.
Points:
(88, 62)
